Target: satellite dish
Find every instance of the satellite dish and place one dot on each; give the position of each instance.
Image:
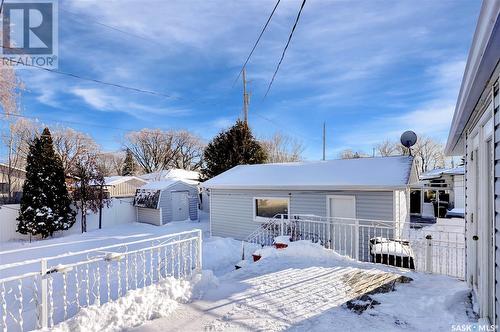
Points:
(408, 139)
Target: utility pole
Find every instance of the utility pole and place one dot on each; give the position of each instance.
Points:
(324, 140)
(246, 96)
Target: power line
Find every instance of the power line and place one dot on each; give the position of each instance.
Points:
(78, 17)
(94, 80)
(286, 47)
(115, 85)
(257, 41)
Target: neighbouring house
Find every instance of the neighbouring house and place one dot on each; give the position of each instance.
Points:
(475, 133)
(11, 183)
(438, 194)
(365, 189)
(122, 186)
(160, 202)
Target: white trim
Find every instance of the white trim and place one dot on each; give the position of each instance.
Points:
(264, 219)
(480, 135)
(210, 210)
(308, 187)
(161, 218)
(328, 197)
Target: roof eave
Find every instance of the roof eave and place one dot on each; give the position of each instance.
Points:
(309, 187)
(484, 51)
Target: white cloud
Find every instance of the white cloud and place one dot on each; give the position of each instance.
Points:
(105, 102)
(431, 118)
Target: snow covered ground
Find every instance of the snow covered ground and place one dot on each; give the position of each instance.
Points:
(304, 287)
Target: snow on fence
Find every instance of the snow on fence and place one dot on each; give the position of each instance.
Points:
(428, 248)
(120, 211)
(63, 284)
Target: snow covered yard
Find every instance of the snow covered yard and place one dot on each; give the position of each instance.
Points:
(306, 287)
(18, 251)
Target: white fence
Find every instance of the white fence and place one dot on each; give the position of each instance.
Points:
(63, 284)
(120, 211)
(438, 248)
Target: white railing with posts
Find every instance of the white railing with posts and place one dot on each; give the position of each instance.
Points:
(65, 283)
(434, 248)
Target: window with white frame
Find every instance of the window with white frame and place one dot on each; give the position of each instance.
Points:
(269, 207)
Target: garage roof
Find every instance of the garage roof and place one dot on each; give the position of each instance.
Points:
(361, 173)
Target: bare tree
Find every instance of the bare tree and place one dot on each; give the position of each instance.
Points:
(70, 145)
(111, 163)
(88, 194)
(350, 154)
(387, 148)
(429, 154)
(189, 149)
(10, 87)
(17, 142)
(281, 148)
(156, 150)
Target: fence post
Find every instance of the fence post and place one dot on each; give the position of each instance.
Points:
(199, 262)
(281, 225)
(356, 240)
(428, 253)
(43, 305)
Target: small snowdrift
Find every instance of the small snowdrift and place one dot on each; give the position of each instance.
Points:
(221, 254)
(139, 306)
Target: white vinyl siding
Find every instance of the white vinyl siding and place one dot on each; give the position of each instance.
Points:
(149, 216)
(232, 212)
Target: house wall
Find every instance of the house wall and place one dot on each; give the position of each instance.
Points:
(458, 191)
(149, 216)
(125, 189)
(479, 211)
(166, 201)
(496, 205)
(231, 211)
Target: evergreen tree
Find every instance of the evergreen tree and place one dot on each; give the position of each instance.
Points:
(128, 164)
(230, 148)
(45, 205)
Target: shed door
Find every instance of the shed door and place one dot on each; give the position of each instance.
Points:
(180, 205)
(344, 234)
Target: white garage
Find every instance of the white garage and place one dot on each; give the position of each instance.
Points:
(161, 202)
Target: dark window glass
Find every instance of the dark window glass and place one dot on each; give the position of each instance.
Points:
(268, 208)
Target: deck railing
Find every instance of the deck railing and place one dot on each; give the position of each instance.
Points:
(433, 248)
(65, 283)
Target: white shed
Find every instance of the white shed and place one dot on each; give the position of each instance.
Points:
(161, 202)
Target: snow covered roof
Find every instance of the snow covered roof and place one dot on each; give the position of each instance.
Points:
(117, 179)
(164, 184)
(360, 173)
(438, 172)
(171, 173)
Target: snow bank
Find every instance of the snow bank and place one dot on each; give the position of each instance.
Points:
(140, 305)
(221, 254)
(300, 250)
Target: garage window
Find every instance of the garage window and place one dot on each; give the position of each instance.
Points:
(268, 207)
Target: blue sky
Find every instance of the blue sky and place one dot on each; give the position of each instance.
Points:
(370, 69)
